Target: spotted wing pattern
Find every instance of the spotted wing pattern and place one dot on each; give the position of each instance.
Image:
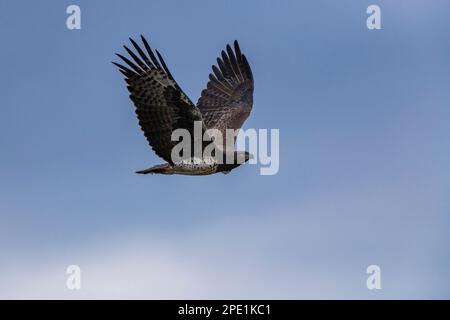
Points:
(161, 105)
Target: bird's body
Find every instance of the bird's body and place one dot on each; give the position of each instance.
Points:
(162, 107)
(189, 167)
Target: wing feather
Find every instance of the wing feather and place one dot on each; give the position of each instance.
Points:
(161, 105)
(228, 98)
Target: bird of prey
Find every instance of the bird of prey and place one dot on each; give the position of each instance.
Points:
(162, 107)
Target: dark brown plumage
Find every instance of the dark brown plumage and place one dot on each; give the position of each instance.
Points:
(162, 107)
(228, 98)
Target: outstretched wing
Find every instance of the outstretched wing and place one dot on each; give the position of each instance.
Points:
(228, 98)
(161, 105)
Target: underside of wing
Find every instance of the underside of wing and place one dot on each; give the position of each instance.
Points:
(161, 105)
(228, 98)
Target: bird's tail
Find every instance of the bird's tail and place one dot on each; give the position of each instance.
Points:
(161, 168)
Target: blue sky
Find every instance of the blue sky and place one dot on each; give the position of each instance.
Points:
(364, 155)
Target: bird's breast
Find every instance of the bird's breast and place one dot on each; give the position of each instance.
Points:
(196, 166)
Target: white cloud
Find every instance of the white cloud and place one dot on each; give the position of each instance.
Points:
(318, 250)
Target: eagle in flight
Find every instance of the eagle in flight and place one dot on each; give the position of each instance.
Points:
(162, 107)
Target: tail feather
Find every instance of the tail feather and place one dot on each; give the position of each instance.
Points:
(161, 168)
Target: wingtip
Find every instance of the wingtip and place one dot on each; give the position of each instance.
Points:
(132, 41)
(237, 49)
(224, 55)
(144, 41)
(116, 64)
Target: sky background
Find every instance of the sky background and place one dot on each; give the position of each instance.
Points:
(364, 154)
